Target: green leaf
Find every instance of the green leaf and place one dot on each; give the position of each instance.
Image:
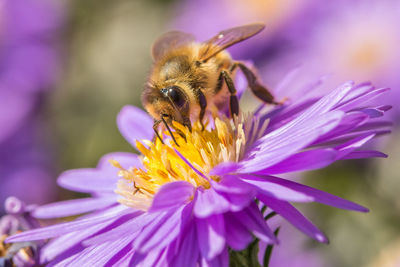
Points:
(268, 250)
(245, 258)
(270, 215)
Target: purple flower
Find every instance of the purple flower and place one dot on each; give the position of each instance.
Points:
(186, 205)
(283, 20)
(28, 66)
(354, 39)
(18, 219)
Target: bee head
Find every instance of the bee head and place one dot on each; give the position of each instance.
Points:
(178, 109)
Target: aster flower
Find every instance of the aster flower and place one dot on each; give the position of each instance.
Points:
(188, 204)
(18, 219)
(29, 63)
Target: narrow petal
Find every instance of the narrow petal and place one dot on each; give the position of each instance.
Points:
(211, 235)
(63, 243)
(238, 236)
(188, 253)
(172, 195)
(349, 122)
(130, 227)
(100, 254)
(362, 98)
(209, 202)
(365, 154)
(316, 195)
(224, 168)
(88, 180)
(279, 191)
(303, 161)
(134, 124)
(221, 261)
(375, 112)
(73, 207)
(285, 141)
(238, 193)
(253, 220)
(352, 145)
(163, 230)
(233, 185)
(126, 160)
(293, 216)
(68, 227)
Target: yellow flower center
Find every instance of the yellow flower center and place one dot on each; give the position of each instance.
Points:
(225, 141)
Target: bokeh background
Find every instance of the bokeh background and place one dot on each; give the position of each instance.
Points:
(67, 67)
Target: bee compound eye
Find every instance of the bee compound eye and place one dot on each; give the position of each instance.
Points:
(176, 96)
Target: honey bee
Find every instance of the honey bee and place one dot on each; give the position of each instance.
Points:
(188, 77)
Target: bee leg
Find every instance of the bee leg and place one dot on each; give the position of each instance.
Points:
(258, 90)
(203, 104)
(233, 101)
(169, 130)
(155, 128)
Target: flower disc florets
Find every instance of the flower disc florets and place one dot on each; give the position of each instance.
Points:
(191, 159)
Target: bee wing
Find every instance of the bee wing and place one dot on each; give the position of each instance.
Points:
(170, 40)
(227, 38)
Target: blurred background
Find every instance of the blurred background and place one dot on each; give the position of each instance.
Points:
(67, 68)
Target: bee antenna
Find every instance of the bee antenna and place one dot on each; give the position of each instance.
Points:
(169, 130)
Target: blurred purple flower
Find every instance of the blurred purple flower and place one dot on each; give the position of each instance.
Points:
(186, 205)
(18, 219)
(354, 39)
(284, 19)
(28, 65)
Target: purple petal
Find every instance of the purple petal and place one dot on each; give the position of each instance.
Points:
(88, 180)
(63, 243)
(209, 202)
(68, 227)
(291, 214)
(276, 190)
(72, 207)
(233, 185)
(130, 227)
(237, 202)
(224, 168)
(303, 161)
(211, 235)
(287, 114)
(374, 125)
(349, 122)
(253, 220)
(315, 194)
(235, 191)
(126, 160)
(375, 112)
(362, 98)
(125, 260)
(353, 144)
(365, 154)
(238, 236)
(100, 254)
(163, 230)
(356, 92)
(172, 195)
(221, 261)
(285, 141)
(188, 253)
(191, 165)
(135, 124)
(331, 100)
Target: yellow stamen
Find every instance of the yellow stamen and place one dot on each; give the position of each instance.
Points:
(203, 149)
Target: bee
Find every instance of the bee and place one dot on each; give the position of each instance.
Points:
(189, 78)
